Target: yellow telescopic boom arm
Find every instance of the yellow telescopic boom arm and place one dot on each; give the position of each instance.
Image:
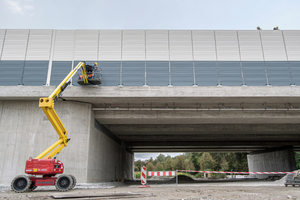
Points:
(47, 104)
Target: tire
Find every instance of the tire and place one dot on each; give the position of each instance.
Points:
(74, 181)
(20, 184)
(64, 183)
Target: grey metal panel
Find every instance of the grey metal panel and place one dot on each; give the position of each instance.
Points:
(180, 45)
(278, 73)
(110, 45)
(254, 73)
(60, 69)
(230, 73)
(86, 45)
(15, 45)
(39, 45)
(273, 45)
(64, 45)
(2, 35)
(157, 45)
(292, 42)
(206, 73)
(133, 45)
(182, 73)
(227, 46)
(295, 70)
(157, 73)
(35, 73)
(133, 73)
(110, 71)
(11, 72)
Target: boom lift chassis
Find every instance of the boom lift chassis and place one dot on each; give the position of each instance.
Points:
(44, 167)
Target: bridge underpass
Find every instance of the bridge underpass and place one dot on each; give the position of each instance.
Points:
(263, 121)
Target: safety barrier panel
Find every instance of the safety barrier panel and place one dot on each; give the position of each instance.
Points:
(162, 173)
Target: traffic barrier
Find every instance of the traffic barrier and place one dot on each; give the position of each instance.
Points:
(223, 172)
(144, 178)
(161, 173)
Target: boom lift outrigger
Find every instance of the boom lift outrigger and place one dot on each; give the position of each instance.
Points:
(45, 164)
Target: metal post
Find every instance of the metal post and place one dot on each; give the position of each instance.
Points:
(177, 178)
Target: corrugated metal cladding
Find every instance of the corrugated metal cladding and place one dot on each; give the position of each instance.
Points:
(153, 57)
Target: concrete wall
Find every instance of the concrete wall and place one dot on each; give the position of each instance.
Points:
(25, 132)
(272, 161)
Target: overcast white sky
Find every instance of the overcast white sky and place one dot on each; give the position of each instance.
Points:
(150, 14)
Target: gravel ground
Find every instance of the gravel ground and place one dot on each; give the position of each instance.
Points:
(209, 191)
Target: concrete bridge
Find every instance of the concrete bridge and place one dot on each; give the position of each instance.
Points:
(162, 91)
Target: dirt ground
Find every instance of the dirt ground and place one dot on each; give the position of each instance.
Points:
(191, 191)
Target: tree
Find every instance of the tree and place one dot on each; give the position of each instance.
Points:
(169, 164)
(179, 162)
(207, 162)
(161, 158)
(189, 165)
(150, 166)
(224, 164)
(159, 167)
(297, 159)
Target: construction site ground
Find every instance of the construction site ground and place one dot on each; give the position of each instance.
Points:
(167, 189)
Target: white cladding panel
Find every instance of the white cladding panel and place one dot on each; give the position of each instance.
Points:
(2, 35)
(86, 45)
(227, 46)
(39, 45)
(110, 45)
(250, 46)
(133, 46)
(180, 45)
(15, 45)
(64, 45)
(273, 45)
(204, 46)
(157, 45)
(292, 42)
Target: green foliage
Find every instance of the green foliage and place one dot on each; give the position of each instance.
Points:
(150, 166)
(169, 164)
(179, 162)
(297, 159)
(159, 167)
(207, 161)
(137, 175)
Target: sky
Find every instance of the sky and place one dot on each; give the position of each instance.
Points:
(150, 14)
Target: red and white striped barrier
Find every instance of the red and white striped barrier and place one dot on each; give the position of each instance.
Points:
(162, 173)
(144, 178)
(222, 172)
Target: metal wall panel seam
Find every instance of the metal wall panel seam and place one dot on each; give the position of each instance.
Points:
(169, 57)
(51, 58)
(25, 57)
(121, 57)
(98, 45)
(3, 44)
(287, 58)
(217, 58)
(264, 58)
(238, 40)
(192, 41)
(73, 55)
(145, 59)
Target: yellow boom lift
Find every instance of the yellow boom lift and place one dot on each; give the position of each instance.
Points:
(44, 167)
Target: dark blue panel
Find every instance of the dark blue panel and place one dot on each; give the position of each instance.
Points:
(206, 73)
(60, 69)
(110, 71)
(230, 73)
(157, 73)
(11, 72)
(278, 73)
(35, 73)
(133, 73)
(254, 73)
(75, 78)
(295, 70)
(182, 73)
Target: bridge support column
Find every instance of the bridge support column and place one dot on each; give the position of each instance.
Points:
(271, 160)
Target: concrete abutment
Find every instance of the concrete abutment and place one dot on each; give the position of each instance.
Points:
(271, 160)
(91, 155)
